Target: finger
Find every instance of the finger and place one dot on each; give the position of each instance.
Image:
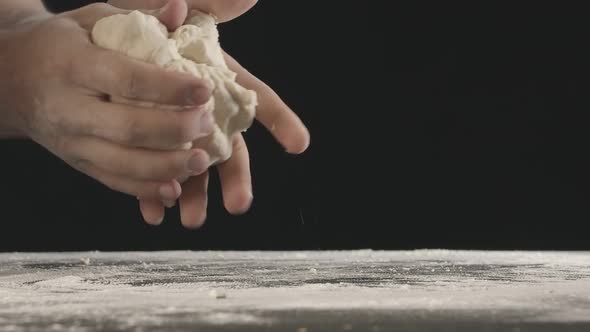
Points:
(272, 112)
(236, 182)
(138, 4)
(152, 190)
(223, 10)
(115, 74)
(152, 211)
(140, 164)
(135, 126)
(170, 12)
(193, 202)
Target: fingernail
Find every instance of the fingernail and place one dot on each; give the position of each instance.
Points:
(167, 193)
(198, 163)
(206, 123)
(169, 204)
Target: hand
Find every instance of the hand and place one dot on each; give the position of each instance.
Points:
(234, 174)
(57, 87)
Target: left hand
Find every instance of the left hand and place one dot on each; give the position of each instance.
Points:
(272, 112)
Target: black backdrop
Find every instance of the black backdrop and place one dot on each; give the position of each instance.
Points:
(432, 126)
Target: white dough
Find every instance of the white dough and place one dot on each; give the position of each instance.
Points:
(217, 294)
(193, 48)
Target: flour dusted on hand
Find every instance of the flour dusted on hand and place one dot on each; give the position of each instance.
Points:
(193, 48)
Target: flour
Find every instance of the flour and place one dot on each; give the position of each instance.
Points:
(61, 282)
(224, 318)
(118, 289)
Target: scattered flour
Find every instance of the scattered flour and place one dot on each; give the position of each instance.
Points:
(62, 282)
(117, 287)
(223, 318)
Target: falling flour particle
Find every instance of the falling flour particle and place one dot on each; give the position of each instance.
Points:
(85, 260)
(313, 270)
(217, 294)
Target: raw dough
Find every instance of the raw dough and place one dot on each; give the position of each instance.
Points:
(217, 294)
(193, 48)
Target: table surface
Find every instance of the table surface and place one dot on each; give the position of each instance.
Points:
(364, 290)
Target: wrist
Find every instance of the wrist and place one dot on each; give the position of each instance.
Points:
(13, 17)
(8, 123)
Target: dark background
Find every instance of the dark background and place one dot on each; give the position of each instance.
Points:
(433, 126)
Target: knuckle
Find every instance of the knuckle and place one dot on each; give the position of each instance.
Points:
(131, 86)
(63, 146)
(98, 7)
(116, 165)
(140, 171)
(146, 192)
(123, 187)
(172, 167)
(80, 163)
(164, 166)
(184, 131)
(132, 132)
(146, 171)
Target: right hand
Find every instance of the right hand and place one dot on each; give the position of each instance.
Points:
(57, 89)
(272, 112)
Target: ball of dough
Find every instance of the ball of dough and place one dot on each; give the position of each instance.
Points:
(193, 48)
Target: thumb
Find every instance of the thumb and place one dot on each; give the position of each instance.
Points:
(172, 14)
(223, 10)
